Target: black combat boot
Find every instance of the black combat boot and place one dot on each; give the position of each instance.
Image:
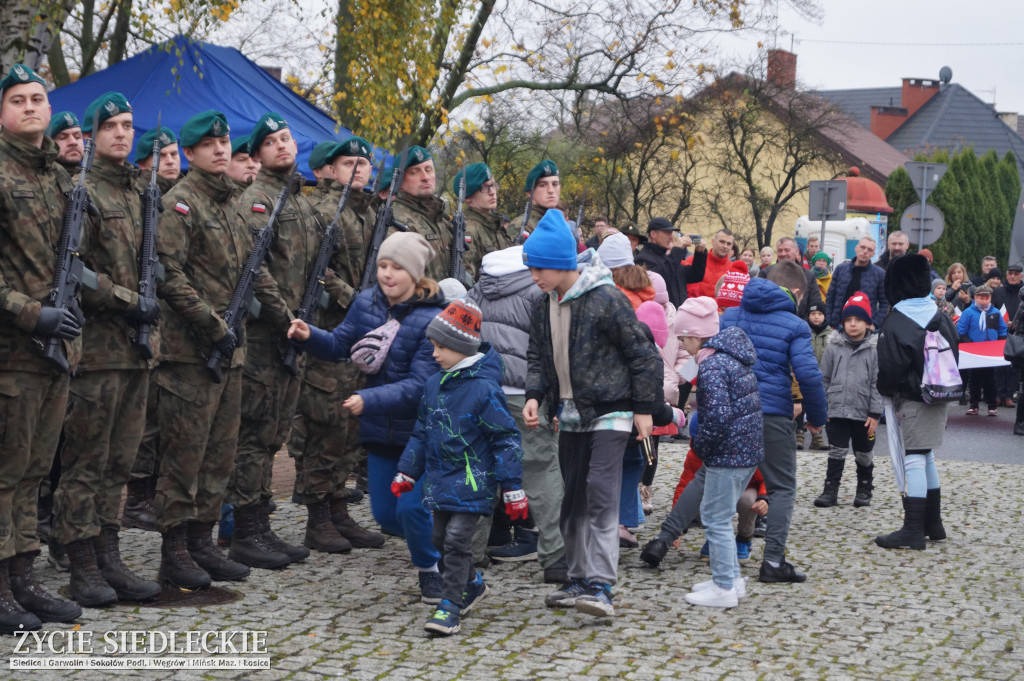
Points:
(128, 585)
(33, 597)
(176, 565)
(138, 506)
(911, 535)
(209, 557)
(865, 478)
(933, 528)
(88, 586)
(358, 536)
(13, 617)
(321, 534)
(248, 545)
(833, 476)
(294, 552)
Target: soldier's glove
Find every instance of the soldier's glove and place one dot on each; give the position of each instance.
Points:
(147, 310)
(401, 484)
(58, 322)
(226, 345)
(516, 505)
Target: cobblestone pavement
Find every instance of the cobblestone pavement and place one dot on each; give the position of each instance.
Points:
(953, 611)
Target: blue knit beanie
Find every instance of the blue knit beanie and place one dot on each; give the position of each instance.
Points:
(551, 245)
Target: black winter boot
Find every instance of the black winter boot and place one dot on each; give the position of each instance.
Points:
(655, 551)
(321, 534)
(138, 506)
(128, 585)
(865, 476)
(833, 475)
(88, 586)
(933, 528)
(33, 597)
(294, 552)
(248, 545)
(13, 617)
(207, 556)
(176, 565)
(358, 536)
(911, 535)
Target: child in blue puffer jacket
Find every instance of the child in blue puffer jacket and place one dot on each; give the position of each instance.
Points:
(465, 446)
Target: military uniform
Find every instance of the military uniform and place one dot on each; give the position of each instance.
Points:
(426, 216)
(515, 226)
(485, 235)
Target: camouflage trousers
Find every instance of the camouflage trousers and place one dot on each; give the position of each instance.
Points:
(147, 461)
(269, 397)
(198, 433)
(325, 436)
(32, 408)
(106, 415)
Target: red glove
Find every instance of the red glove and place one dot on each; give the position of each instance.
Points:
(515, 504)
(401, 484)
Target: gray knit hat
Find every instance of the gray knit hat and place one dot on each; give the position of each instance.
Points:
(410, 250)
(936, 283)
(457, 327)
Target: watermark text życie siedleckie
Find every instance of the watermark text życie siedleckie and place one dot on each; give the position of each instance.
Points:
(114, 642)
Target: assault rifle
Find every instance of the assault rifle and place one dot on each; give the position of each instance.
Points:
(385, 219)
(577, 230)
(521, 239)
(242, 299)
(149, 266)
(457, 269)
(70, 271)
(315, 283)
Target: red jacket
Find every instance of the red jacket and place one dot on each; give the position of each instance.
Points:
(693, 464)
(713, 271)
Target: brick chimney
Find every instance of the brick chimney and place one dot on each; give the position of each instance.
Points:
(886, 119)
(916, 93)
(782, 69)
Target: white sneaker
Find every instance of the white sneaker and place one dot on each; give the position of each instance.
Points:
(740, 585)
(714, 597)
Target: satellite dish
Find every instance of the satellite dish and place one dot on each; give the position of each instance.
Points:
(945, 74)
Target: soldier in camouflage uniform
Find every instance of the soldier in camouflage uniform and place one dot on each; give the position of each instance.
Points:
(66, 131)
(203, 245)
(169, 171)
(325, 434)
(33, 392)
(417, 208)
(107, 406)
(484, 233)
(243, 168)
(543, 190)
(270, 392)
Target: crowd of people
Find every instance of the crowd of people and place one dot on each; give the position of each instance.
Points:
(518, 419)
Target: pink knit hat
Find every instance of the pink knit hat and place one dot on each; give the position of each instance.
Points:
(653, 315)
(660, 289)
(733, 285)
(697, 318)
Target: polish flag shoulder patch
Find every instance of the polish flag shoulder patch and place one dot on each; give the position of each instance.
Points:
(259, 208)
(181, 208)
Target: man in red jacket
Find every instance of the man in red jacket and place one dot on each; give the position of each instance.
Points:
(718, 264)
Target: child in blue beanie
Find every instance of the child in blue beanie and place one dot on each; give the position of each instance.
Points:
(612, 382)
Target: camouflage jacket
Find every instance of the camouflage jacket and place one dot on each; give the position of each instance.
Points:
(167, 185)
(32, 205)
(485, 235)
(515, 224)
(346, 266)
(296, 242)
(426, 216)
(203, 244)
(115, 238)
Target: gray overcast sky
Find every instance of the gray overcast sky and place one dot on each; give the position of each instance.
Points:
(876, 43)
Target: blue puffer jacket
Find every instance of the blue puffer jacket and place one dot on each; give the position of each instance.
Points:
(391, 396)
(969, 325)
(465, 443)
(872, 282)
(781, 340)
(731, 430)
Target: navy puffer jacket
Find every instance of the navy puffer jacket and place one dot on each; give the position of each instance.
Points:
(731, 431)
(392, 396)
(783, 343)
(465, 445)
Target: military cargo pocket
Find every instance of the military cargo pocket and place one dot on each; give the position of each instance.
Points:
(9, 393)
(183, 387)
(319, 400)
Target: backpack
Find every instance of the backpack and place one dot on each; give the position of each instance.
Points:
(940, 381)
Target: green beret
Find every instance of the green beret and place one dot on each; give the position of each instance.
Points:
(385, 179)
(268, 124)
(144, 149)
(103, 107)
(60, 122)
(318, 158)
(207, 124)
(542, 169)
(476, 175)
(820, 255)
(19, 75)
(417, 155)
(240, 145)
(353, 146)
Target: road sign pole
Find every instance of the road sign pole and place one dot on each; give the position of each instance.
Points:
(924, 199)
(824, 217)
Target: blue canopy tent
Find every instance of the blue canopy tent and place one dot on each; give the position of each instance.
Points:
(181, 77)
